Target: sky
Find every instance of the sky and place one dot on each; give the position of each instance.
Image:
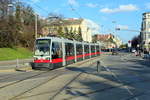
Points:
(107, 14)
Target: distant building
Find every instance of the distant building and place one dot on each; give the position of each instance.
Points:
(71, 24)
(108, 40)
(145, 31)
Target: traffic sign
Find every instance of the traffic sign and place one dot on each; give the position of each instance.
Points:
(129, 43)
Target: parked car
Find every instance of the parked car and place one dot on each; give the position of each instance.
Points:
(133, 50)
(114, 52)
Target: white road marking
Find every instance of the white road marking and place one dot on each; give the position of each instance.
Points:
(125, 87)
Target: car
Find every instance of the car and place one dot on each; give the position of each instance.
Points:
(114, 52)
(133, 50)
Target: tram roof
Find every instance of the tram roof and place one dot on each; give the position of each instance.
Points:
(66, 40)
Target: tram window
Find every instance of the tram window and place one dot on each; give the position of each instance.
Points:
(97, 48)
(86, 48)
(56, 50)
(92, 48)
(69, 47)
(42, 47)
(79, 49)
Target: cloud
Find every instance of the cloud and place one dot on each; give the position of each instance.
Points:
(93, 26)
(73, 2)
(121, 8)
(122, 26)
(34, 1)
(148, 5)
(91, 5)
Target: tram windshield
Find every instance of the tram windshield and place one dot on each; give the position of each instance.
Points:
(42, 47)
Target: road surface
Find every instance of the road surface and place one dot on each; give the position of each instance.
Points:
(121, 77)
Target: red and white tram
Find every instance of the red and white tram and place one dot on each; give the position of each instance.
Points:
(54, 52)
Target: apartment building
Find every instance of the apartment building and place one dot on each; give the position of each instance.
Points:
(71, 24)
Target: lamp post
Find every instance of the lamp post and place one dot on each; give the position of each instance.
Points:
(36, 19)
(10, 9)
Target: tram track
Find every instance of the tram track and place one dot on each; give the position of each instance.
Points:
(18, 96)
(88, 93)
(13, 76)
(9, 76)
(18, 81)
(42, 83)
(65, 86)
(112, 87)
(109, 88)
(70, 82)
(23, 73)
(57, 91)
(26, 78)
(54, 74)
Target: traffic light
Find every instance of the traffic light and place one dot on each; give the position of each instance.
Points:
(118, 29)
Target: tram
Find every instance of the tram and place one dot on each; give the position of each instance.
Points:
(54, 52)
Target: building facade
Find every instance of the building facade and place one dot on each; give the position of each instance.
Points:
(108, 40)
(145, 31)
(70, 24)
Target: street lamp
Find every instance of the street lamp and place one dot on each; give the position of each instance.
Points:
(36, 19)
(10, 9)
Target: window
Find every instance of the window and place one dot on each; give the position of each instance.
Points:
(92, 49)
(86, 49)
(69, 47)
(79, 49)
(144, 25)
(149, 35)
(56, 50)
(97, 49)
(148, 25)
(42, 47)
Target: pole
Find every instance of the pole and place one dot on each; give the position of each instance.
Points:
(17, 65)
(36, 18)
(98, 66)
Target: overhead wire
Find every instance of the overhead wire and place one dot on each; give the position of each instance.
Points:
(37, 6)
(73, 9)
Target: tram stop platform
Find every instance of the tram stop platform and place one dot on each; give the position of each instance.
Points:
(14, 65)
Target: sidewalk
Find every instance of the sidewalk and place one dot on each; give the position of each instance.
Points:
(13, 62)
(11, 65)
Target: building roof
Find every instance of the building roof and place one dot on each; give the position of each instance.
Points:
(103, 37)
(70, 21)
(146, 13)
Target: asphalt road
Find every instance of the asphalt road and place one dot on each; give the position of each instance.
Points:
(122, 77)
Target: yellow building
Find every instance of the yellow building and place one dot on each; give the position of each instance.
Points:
(71, 24)
(108, 40)
(145, 31)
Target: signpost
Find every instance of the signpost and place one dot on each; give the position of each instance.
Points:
(129, 45)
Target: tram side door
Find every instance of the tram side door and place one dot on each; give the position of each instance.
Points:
(69, 53)
(57, 57)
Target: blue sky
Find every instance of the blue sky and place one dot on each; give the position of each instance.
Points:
(108, 14)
